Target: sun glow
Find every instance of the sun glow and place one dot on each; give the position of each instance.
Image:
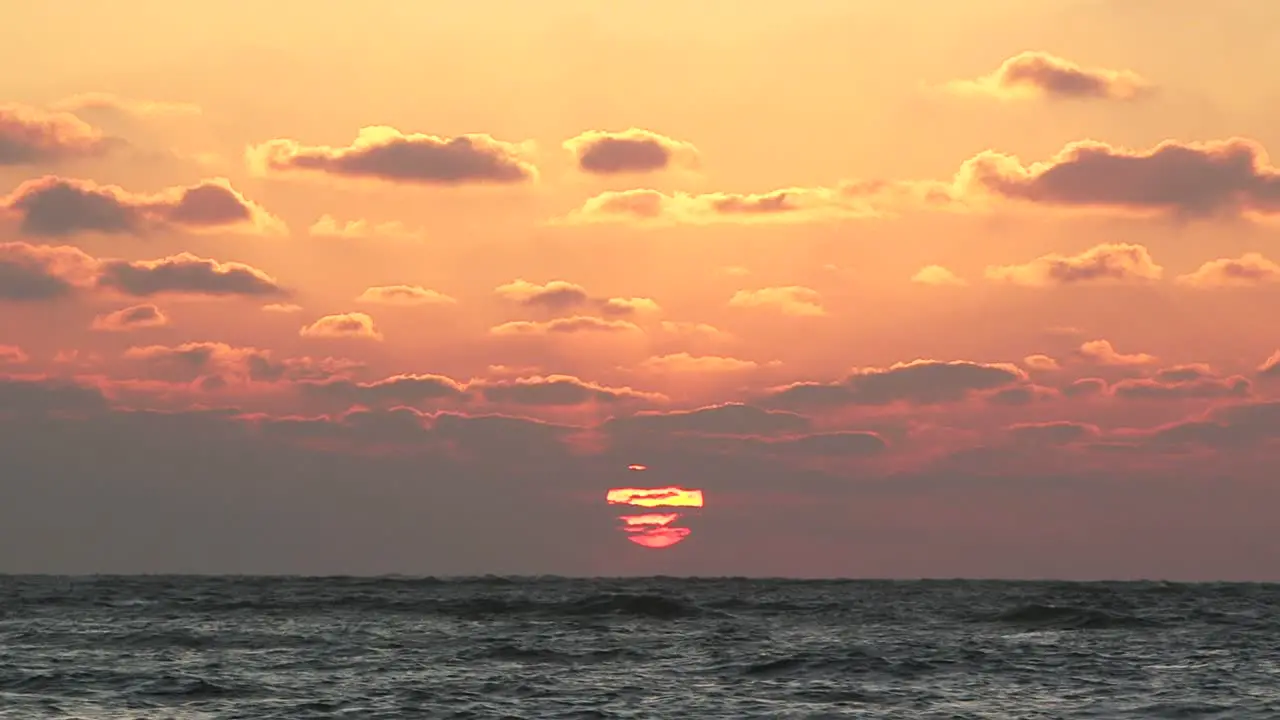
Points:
(654, 529)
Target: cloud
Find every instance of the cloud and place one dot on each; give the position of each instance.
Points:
(789, 300)
(12, 355)
(630, 151)
(559, 390)
(734, 419)
(342, 325)
(384, 153)
(556, 295)
(326, 226)
(225, 362)
(1270, 368)
(30, 136)
(922, 382)
(1040, 362)
(788, 205)
(564, 326)
(1247, 270)
(1112, 263)
(123, 105)
(625, 307)
(686, 363)
(1182, 179)
(406, 389)
(937, 275)
(32, 273)
(1059, 432)
(1039, 74)
(136, 317)
(187, 274)
(283, 308)
(1100, 352)
(1165, 389)
(1085, 387)
(404, 295)
(57, 207)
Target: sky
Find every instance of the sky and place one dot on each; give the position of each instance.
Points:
(911, 289)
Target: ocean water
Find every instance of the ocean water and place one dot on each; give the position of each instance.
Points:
(258, 648)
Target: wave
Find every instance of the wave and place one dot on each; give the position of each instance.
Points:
(1056, 617)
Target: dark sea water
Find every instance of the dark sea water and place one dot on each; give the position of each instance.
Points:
(182, 647)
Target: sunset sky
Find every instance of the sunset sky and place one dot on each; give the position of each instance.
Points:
(908, 289)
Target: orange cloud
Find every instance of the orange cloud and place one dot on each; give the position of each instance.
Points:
(12, 355)
(284, 308)
(789, 300)
(735, 419)
(136, 317)
(1175, 389)
(655, 497)
(396, 390)
(621, 307)
(937, 275)
(630, 151)
(564, 326)
(1100, 352)
(1246, 270)
(56, 207)
(223, 362)
(1183, 179)
(384, 153)
(404, 295)
(789, 205)
(1271, 367)
(342, 325)
(30, 136)
(326, 226)
(1039, 74)
(1120, 262)
(557, 295)
(1052, 433)
(43, 272)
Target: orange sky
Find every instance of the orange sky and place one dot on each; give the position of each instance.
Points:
(909, 289)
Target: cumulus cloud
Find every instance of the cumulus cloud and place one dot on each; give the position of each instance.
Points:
(136, 317)
(1101, 352)
(1247, 270)
(937, 275)
(1120, 262)
(627, 306)
(43, 272)
(788, 205)
(404, 295)
(1270, 368)
(328, 227)
(789, 300)
(1183, 179)
(1174, 389)
(31, 136)
(565, 326)
(57, 207)
(384, 153)
(630, 151)
(342, 325)
(559, 296)
(1040, 74)
(186, 274)
(923, 382)
(405, 389)
(228, 363)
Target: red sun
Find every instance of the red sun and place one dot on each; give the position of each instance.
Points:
(656, 528)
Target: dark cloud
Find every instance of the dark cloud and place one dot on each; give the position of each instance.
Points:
(29, 397)
(135, 317)
(1044, 74)
(30, 136)
(923, 382)
(39, 272)
(387, 154)
(57, 207)
(1193, 179)
(559, 390)
(827, 445)
(1020, 395)
(727, 419)
(1156, 389)
(556, 295)
(1085, 387)
(629, 151)
(1052, 433)
(187, 274)
(342, 325)
(395, 390)
(1118, 262)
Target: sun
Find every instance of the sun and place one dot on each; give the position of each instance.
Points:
(656, 528)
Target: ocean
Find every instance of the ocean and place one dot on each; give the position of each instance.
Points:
(258, 648)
